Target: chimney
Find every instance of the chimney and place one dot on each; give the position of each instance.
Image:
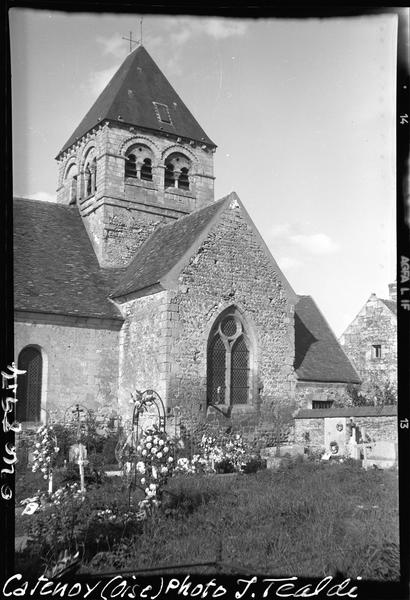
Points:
(393, 291)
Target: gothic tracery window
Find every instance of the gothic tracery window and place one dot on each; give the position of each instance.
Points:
(228, 375)
(28, 407)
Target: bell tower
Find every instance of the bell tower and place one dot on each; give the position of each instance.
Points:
(137, 159)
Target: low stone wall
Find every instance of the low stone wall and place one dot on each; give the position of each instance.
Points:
(313, 427)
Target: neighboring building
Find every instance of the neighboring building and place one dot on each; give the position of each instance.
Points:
(136, 278)
(370, 341)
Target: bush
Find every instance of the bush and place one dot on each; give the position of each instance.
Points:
(254, 464)
(225, 466)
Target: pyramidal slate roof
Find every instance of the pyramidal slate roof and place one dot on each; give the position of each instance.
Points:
(55, 267)
(165, 248)
(318, 354)
(130, 96)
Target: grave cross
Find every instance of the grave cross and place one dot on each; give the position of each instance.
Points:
(78, 412)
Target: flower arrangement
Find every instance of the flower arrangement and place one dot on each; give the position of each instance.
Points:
(154, 464)
(45, 453)
(224, 450)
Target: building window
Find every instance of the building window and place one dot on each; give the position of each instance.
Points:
(177, 168)
(131, 166)
(169, 175)
(162, 112)
(228, 374)
(146, 170)
(183, 181)
(138, 162)
(322, 403)
(90, 176)
(376, 351)
(28, 406)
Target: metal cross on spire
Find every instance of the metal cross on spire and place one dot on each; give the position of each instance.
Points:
(131, 41)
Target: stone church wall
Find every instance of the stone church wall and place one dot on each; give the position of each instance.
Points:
(80, 361)
(231, 269)
(143, 343)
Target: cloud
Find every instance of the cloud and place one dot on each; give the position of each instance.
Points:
(287, 262)
(316, 243)
(177, 32)
(222, 28)
(43, 196)
(99, 79)
(114, 45)
(280, 230)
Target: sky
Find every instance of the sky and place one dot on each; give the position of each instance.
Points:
(302, 112)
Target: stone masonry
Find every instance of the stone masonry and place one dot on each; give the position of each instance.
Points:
(123, 211)
(80, 361)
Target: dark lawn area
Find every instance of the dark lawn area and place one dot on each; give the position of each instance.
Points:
(308, 519)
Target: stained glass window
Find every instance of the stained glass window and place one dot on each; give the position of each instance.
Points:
(228, 363)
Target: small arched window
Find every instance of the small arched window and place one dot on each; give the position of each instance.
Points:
(146, 170)
(183, 180)
(131, 166)
(28, 406)
(228, 380)
(90, 177)
(71, 182)
(177, 168)
(169, 175)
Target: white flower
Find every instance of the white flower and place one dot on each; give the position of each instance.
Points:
(139, 448)
(170, 459)
(159, 455)
(143, 481)
(147, 490)
(140, 467)
(165, 449)
(149, 438)
(153, 450)
(149, 445)
(152, 486)
(161, 442)
(164, 470)
(144, 452)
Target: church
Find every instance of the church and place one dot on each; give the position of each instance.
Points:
(137, 278)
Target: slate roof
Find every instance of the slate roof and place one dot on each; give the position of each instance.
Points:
(391, 304)
(318, 355)
(353, 411)
(130, 95)
(164, 249)
(55, 267)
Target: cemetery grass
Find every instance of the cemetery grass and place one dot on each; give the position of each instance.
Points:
(308, 519)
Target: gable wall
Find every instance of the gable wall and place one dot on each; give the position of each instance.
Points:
(229, 269)
(375, 324)
(80, 363)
